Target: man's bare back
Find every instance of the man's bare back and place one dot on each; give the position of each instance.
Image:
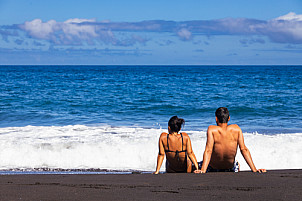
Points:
(225, 146)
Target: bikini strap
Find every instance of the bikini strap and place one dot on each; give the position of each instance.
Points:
(168, 142)
(182, 140)
(182, 145)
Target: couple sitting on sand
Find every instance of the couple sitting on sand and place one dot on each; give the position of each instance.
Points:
(219, 154)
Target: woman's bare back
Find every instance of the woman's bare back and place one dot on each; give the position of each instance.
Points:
(175, 146)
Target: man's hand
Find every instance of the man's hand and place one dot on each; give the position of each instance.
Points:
(198, 171)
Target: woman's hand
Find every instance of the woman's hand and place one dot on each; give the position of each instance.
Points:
(261, 170)
(198, 171)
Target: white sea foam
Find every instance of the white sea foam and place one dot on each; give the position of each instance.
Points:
(124, 148)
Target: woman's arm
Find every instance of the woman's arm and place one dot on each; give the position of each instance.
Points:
(191, 153)
(161, 154)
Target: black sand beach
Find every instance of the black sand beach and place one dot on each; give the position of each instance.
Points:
(273, 185)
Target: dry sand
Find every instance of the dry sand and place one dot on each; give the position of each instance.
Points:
(273, 185)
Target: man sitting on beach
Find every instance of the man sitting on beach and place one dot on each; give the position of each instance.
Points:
(221, 146)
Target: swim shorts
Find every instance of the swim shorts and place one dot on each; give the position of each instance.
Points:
(210, 169)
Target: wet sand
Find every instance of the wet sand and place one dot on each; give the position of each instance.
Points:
(273, 185)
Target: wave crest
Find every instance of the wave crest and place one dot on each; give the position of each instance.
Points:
(81, 147)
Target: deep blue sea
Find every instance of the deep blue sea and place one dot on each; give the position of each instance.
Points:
(45, 107)
(265, 99)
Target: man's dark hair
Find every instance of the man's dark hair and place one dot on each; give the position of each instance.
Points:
(222, 115)
(175, 123)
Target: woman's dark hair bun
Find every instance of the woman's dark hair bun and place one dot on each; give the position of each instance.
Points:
(176, 123)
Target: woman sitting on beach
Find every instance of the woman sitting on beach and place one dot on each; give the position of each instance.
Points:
(177, 148)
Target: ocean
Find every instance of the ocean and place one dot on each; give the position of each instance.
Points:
(109, 118)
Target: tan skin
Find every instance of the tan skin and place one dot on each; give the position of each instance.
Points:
(221, 148)
(175, 143)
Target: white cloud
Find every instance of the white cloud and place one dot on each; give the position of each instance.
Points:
(284, 29)
(39, 29)
(291, 27)
(78, 20)
(74, 31)
(66, 32)
(290, 16)
(184, 34)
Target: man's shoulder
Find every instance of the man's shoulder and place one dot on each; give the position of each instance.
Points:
(213, 127)
(231, 126)
(234, 126)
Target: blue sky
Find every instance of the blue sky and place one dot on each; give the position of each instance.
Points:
(200, 32)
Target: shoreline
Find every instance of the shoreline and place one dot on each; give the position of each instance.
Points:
(99, 172)
(245, 185)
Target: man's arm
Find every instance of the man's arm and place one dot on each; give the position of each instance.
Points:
(246, 153)
(208, 150)
(161, 155)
